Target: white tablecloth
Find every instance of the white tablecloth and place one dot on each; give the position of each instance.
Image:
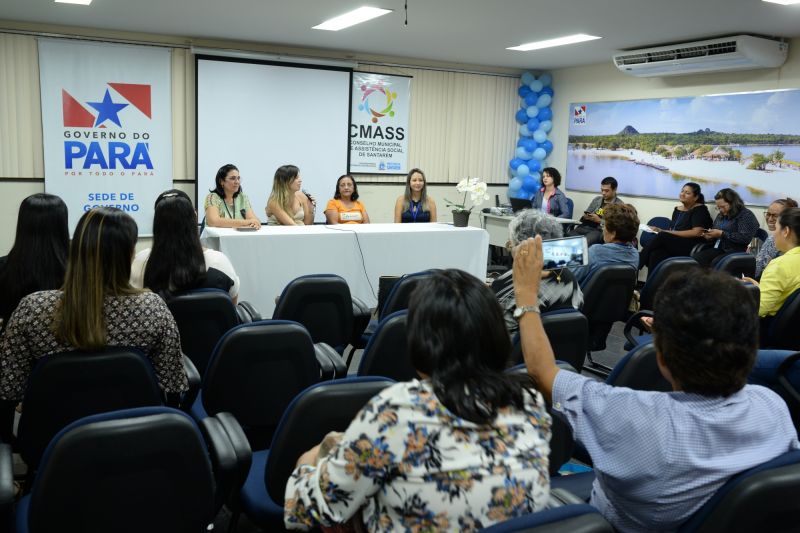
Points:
(267, 259)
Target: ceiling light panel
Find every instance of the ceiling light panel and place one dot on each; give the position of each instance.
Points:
(357, 16)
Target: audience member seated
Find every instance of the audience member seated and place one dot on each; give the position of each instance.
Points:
(38, 259)
(592, 219)
(558, 288)
(287, 204)
(461, 448)
(97, 307)
(768, 251)
(226, 205)
(782, 275)
(549, 197)
(733, 228)
(619, 230)
(177, 261)
(415, 205)
(345, 207)
(689, 221)
(658, 457)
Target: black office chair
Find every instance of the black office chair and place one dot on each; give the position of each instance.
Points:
(66, 387)
(606, 296)
(783, 332)
(312, 414)
(575, 518)
(386, 353)
(322, 303)
(762, 498)
(147, 469)
(570, 208)
(638, 370)
(255, 372)
(658, 222)
(737, 264)
(786, 387)
(568, 333)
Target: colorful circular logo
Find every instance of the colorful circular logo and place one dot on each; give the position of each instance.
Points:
(375, 91)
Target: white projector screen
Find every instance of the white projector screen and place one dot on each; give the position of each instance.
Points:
(260, 116)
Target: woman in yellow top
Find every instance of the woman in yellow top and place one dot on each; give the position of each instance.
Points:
(781, 277)
(345, 208)
(287, 204)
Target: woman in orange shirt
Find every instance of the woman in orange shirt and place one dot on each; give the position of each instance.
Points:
(345, 208)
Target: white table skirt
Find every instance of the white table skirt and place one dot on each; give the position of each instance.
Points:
(267, 259)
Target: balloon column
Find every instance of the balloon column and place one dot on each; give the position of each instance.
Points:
(534, 118)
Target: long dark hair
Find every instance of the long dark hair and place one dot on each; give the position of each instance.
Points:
(38, 259)
(456, 335)
(176, 259)
(337, 195)
(221, 173)
(696, 191)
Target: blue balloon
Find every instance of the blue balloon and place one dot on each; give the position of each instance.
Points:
(533, 124)
(521, 141)
(546, 125)
(548, 146)
(523, 91)
(546, 79)
(544, 113)
(521, 116)
(521, 193)
(524, 131)
(539, 136)
(547, 90)
(524, 154)
(532, 111)
(530, 98)
(514, 163)
(530, 145)
(527, 78)
(544, 100)
(534, 165)
(514, 185)
(529, 183)
(522, 171)
(539, 153)
(536, 86)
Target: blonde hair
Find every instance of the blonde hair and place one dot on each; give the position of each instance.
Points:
(423, 199)
(281, 193)
(99, 265)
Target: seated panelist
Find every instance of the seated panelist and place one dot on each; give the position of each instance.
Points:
(345, 208)
(226, 205)
(415, 205)
(287, 204)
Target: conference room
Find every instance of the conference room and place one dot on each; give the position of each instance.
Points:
(105, 105)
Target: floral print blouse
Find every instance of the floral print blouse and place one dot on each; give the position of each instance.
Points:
(412, 465)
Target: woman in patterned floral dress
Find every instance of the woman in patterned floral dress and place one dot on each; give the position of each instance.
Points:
(461, 448)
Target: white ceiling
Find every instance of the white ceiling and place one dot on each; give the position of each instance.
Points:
(474, 32)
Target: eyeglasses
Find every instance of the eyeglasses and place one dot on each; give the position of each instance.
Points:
(769, 215)
(233, 178)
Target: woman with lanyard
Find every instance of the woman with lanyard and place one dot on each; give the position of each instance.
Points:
(415, 205)
(226, 206)
(689, 221)
(549, 198)
(733, 228)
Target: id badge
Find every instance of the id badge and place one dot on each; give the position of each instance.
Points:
(353, 216)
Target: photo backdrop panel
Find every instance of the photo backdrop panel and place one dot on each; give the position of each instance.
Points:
(749, 142)
(260, 116)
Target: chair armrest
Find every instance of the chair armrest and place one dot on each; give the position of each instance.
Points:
(222, 456)
(247, 313)
(562, 497)
(240, 445)
(633, 322)
(194, 383)
(361, 317)
(699, 248)
(336, 365)
(783, 380)
(360, 307)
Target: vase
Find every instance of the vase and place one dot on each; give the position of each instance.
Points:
(461, 218)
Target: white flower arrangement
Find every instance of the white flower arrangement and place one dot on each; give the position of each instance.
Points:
(476, 190)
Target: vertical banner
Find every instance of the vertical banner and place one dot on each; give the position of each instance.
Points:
(107, 126)
(379, 123)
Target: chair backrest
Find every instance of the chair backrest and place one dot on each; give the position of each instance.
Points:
(68, 386)
(316, 411)
(398, 297)
(606, 296)
(255, 372)
(759, 499)
(761, 234)
(322, 303)
(783, 331)
(134, 470)
(659, 275)
(658, 222)
(575, 518)
(737, 264)
(570, 208)
(638, 370)
(568, 333)
(386, 353)
(203, 317)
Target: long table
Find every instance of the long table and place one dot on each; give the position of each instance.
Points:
(267, 259)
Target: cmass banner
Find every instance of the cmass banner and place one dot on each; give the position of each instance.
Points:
(107, 126)
(379, 123)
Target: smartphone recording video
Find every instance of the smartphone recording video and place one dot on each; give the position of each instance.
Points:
(565, 252)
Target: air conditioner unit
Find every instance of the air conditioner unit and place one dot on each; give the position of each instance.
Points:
(739, 52)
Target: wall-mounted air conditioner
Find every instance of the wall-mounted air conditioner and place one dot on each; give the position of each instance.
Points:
(739, 52)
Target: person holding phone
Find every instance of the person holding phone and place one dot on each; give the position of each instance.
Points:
(226, 206)
(591, 225)
(558, 288)
(733, 228)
